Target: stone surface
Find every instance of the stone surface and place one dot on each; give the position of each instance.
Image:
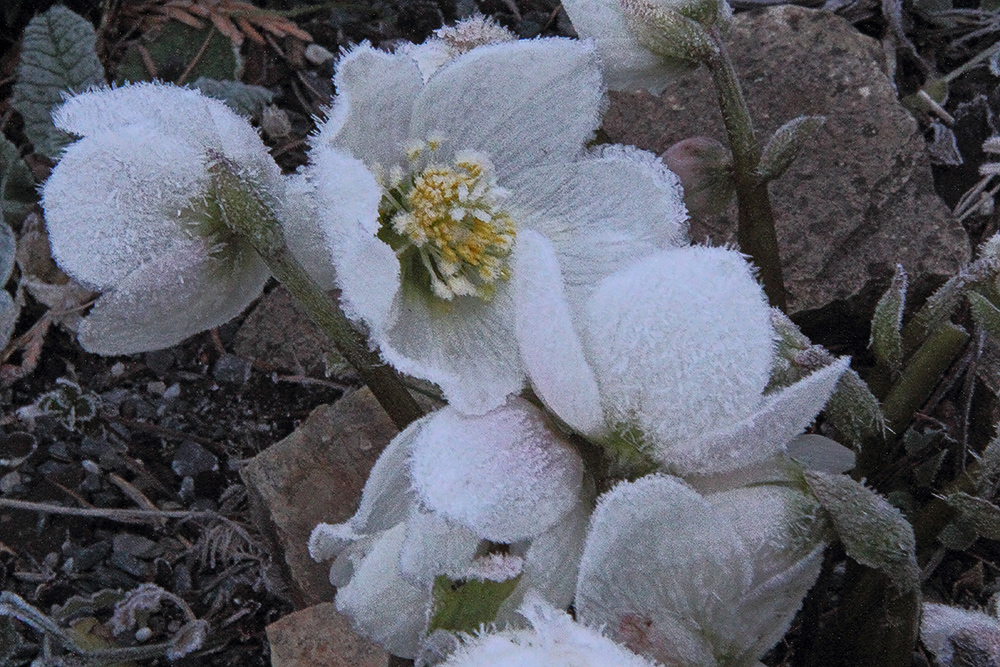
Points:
(280, 334)
(316, 474)
(858, 199)
(317, 636)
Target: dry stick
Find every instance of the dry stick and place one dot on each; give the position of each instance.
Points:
(756, 233)
(127, 516)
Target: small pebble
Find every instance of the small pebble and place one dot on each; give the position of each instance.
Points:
(118, 370)
(9, 482)
(156, 387)
(317, 55)
(231, 369)
(173, 391)
(90, 466)
(142, 634)
(192, 459)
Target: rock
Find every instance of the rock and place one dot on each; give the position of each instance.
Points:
(316, 474)
(231, 369)
(192, 459)
(858, 199)
(279, 333)
(319, 635)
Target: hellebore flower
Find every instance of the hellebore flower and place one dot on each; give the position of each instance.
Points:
(670, 356)
(696, 580)
(130, 213)
(646, 43)
(959, 636)
(424, 189)
(554, 640)
(442, 492)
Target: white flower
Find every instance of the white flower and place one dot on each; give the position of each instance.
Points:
(554, 640)
(442, 491)
(670, 355)
(699, 581)
(129, 214)
(644, 43)
(959, 636)
(449, 42)
(425, 188)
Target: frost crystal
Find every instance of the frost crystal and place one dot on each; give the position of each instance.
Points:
(129, 213)
(447, 173)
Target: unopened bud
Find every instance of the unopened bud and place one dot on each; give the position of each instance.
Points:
(675, 31)
(705, 168)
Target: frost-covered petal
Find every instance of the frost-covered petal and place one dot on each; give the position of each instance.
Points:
(660, 566)
(434, 546)
(177, 294)
(627, 64)
(943, 629)
(381, 604)
(370, 117)
(335, 210)
(112, 202)
(550, 347)
(523, 103)
(506, 475)
(555, 640)
(765, 432)
(603, 212)
(466, 346)
(552, 561)
(680, 342)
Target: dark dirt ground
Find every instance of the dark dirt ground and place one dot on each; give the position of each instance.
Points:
(170, 429)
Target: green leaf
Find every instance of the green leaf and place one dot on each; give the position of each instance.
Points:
(886, 341)
(176, 50)
(853, 409)
(17, 187)
(58, 57)
(782, 148)
(981, 516)
(462, 606)
(242, 98)
(873, 532)
(985, 314)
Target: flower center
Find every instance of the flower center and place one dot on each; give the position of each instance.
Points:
(447, 226)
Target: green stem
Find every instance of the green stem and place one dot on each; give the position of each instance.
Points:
(249, 217)
(756, 232)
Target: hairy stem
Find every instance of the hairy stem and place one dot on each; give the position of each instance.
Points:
(756, 233)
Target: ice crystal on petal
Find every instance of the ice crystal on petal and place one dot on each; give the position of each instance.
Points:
(506, 475)
(449, 42)
(730, 570)
(554, 640)
(462, 167)
(128, 213)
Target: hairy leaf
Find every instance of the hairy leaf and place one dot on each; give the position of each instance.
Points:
(785, 145)
(58, 56)
(982, 516)
(985, 313)
(886, 341)
(242, 98)
(873, 532)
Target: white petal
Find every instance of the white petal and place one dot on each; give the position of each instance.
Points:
(336, 208)
(370, 117)
(112, 202)
(551, 563)
(523, 103)
(382, 605)
(327, 540)
(680, 343)
(466, 346)
(388, 497)
(434, 546)
(173, 296)
(627, 64)
(765, 432)
(603, 213)
(506, 475)
(939, 623)
(550, 347)
(817, 452)
(660, 566)
(555, 640)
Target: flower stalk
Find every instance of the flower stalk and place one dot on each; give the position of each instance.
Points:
(756, 233)
(245, 214)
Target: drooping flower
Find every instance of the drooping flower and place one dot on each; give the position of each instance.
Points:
(424, 189)
(445, 491)
(669, 356)
(554, 640)
(130, 213)
(646, 43)
(696, 580)
(959, 636)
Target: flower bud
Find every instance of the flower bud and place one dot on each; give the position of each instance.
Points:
(705, 168)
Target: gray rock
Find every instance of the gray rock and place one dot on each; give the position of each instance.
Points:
(316, 474)
(136, 545)
(192, 459)
(858, 199)
(231, 369)
(320, 636)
